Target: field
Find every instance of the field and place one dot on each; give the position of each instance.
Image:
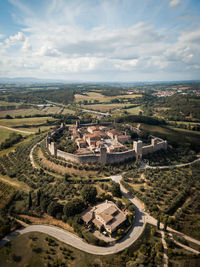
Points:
(92, 96)
(19, 123)
(4, 133)
(134, 111)
(31, 111)
(105, 107)
(5, 103)
(175, 135)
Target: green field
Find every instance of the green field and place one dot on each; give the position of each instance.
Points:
(105, 107)
(134, 111)
(31, 111)
(68, 111)
(174, 135)
(5, 103)
(25, 121)
(4, 133)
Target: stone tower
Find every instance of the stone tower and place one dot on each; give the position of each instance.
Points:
(103, 155)
(137, 146)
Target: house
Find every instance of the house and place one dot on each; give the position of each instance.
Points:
(112, 133)
(91, 129)
(106, 214)
(81, 143)
(123, 138)
(102, 128)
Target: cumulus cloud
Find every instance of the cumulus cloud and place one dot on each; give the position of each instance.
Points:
(15, 39)
(59, 45)
(174, 3)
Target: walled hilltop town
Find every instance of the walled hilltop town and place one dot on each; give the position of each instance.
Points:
(101, 144)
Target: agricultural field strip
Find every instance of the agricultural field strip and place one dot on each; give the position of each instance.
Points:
(16, 130)
(165, 257)
(183, 246)
(102, 98)
(31, 154)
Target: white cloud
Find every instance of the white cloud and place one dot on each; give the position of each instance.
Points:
(56, 45)
(26, 45)
(15, 39)
(174, 3)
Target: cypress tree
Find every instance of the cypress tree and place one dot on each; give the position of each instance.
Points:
(29, 200)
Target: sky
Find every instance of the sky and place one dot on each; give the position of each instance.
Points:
(100, 40)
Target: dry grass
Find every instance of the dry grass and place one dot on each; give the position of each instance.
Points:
(46, 219)
(62, 169)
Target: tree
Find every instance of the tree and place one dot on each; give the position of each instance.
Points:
(73, 207)
(158, 223)
(89, 194)
(115, 190)
(29, 200)
(165, 224)
(54, 208)
(119, 204)
(44, 202)
(38, 197)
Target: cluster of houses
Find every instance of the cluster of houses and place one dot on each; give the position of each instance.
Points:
(97, 137)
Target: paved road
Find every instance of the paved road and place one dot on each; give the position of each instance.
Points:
(146, 166)
(96, 112)
(77, 242)
(16, 130)
(141, 218)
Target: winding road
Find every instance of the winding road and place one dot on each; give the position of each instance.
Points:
(141, 218)
(73, 240)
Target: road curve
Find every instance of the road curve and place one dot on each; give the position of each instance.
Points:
(75, 241)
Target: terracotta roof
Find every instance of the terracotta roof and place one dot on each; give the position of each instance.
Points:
(114, 131)
(124, 136)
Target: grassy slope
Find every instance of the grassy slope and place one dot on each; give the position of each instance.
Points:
(4, 133)
(24, 121)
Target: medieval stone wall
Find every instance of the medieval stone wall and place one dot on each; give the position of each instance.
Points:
(107, 158)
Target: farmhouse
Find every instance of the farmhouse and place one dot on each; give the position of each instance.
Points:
(106, 214)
